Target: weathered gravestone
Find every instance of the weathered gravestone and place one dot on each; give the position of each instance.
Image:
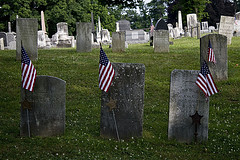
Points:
(198, 30)
(226, 27)
(1, 44)
(10, 38)
(27, 34)
(161, 25)
(46, 114)
(125, 102)
(192, 24)
(161, 41)
(4, 36)
(84, 37)
(123, 25)
(41, 39)
(185, 99)
(118, 41)
(219, 70)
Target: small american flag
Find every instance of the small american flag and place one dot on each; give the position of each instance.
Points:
(152, 26)
(211, 56)
(106, 72)
(205, 81)
(28, 72)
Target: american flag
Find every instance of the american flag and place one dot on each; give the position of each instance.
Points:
(152, 26)
(106, 72)
(28, 72)
(205, 81)
(211, 56)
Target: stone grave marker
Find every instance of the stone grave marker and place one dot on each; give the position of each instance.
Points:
(9, 27)
(161, 41)
(1, 44)
(12, 45)
(198, 30)
(84, 37)
(27, 33)
(226, 27)
(192, 24)
(123, 25)
(219, 70)
(41, 39)
(185, 99)
(4, 36)
(125, 99)
(10, 38)
(180, 25)
(46, 113)
(161, 25)
(118, 41)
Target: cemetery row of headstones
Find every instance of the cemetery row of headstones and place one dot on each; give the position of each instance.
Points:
(43, 111)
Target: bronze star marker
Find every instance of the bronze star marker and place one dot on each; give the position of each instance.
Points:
(196, 121)
(111, 104)
(26, 104)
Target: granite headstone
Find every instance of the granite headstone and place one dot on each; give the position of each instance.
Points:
(46, 112)
(84, 37)
(27, 34)
(161, 41)
(126, 94)
(226, 27)
(219, 70)
(185, 99)
(118, 41)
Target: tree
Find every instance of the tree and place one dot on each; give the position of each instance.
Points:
(217, 8)
(186, 7)
(157, 9)
(123, 3)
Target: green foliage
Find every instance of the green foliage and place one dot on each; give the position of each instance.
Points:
(186, 7)
(83, 104)
(157, 9)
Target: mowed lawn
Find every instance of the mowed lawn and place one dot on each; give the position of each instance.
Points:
(82, 134)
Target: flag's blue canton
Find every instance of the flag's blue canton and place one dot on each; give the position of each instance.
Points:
(103, 58)
(209, 44)
(25, 58)
(204, 69)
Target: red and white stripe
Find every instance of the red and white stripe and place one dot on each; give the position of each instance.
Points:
(28, 76)
(106, 75)
(207, 84)
(211, 56)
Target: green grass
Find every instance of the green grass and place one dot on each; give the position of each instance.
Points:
(82, 135)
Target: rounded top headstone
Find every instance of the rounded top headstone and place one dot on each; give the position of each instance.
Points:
(161, 25)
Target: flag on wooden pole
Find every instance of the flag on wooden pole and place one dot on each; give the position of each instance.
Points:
(205, 81)
(106, 72)
(211, 56)
(28, 72)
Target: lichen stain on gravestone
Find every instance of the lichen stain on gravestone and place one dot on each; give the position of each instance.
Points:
(127, 90)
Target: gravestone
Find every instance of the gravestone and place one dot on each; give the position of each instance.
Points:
(198, 30)
(161, 25)
(9, 27)
(10, 38)
(47, 108)
(170, 28)
(226, 27)
(161, 41)
(4, 36)
(180, 26)
(1, 44)
(27, 33)
(126, 94)
(12, 45)
(105, 35)
(123, 25)
(84, 37)
(43, 22)
(136, 36)
(41, 39)
(204, 28)
(192, 24)
(118, 41)
(185, 99)
(219, 70)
